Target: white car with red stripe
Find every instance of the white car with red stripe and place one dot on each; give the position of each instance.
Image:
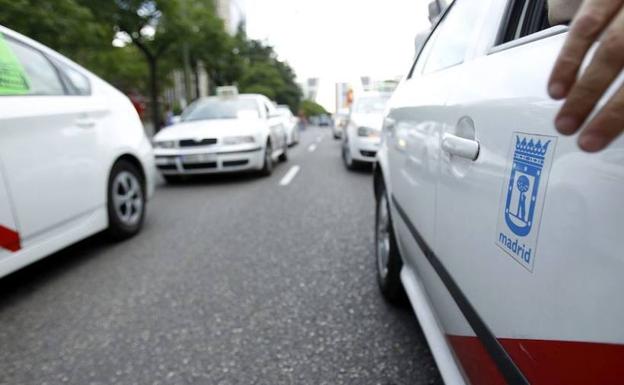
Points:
(506, 238)
(74, 159)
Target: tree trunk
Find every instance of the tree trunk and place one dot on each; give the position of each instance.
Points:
(153, 86)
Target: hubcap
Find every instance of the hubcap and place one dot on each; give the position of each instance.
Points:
(127, 198)
(382, 236)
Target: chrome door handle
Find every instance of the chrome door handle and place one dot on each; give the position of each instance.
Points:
(458, 146)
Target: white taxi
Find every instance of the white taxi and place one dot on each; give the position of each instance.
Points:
(225, 133)
(74, 159)
(505, 236)
(362, 134)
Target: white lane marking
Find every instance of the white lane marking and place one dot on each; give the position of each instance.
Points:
(312, 147)
(319, 139)
(290, 175)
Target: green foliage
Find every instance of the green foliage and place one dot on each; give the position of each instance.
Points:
(158, 31)
(311, 108)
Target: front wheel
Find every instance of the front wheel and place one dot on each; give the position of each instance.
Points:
(267, 167)
(387, 255)
(347, 158)
(126, 201)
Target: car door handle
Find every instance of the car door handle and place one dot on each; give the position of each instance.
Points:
(85, 122)
(458, 146)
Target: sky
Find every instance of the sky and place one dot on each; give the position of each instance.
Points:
(338, 40)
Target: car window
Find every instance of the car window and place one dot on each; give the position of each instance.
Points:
(221, 109)
(39, 74)
(452, 36)
(524, 18)
(77, 83)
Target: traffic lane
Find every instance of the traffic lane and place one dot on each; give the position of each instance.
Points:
(234, 280)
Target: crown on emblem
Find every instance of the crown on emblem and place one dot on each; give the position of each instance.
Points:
(531, 148)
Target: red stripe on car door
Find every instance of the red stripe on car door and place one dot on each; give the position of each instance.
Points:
(544, 361)
(9, 239)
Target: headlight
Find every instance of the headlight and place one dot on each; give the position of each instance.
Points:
(368, 132)
(232, 140)
(164, 144)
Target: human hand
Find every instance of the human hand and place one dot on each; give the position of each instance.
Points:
(594, 19)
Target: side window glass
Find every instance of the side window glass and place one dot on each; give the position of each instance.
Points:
(40, 77)
(78, 83)
(454, 36)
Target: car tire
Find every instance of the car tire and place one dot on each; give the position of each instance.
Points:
(125, 200)
(267, 166)
(172, 179)
(284, 155)
(347, 159)
(387, 256)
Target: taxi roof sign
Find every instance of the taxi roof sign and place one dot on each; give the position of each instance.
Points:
(227, 91)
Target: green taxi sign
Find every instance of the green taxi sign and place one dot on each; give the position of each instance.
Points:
(13, 78)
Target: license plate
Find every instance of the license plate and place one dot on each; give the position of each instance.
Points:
(199, 158)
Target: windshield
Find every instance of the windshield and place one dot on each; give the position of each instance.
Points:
(370, 104)
(222, 109)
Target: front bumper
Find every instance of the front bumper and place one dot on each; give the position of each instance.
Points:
(364, 149)
(204, 161)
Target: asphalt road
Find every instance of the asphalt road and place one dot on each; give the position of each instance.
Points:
(234, 280)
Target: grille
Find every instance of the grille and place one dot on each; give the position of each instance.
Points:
(233, 163)
(370, 154)
(197, 143)
(167, 166)
(197, 166)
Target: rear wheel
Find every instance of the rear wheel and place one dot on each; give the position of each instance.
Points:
(126, 200)
(267, 167)
(387, 255)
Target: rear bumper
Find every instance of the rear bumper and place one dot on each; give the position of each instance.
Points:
(197, 163)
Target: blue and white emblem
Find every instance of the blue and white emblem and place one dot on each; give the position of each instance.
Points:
(523, 196)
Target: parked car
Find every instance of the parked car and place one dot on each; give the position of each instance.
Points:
(341, 120)
(291, 124)
(227, 133)
(325, 121)
(74, 159)
(506, 238)
(362, 134)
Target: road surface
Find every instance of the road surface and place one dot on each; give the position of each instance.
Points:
(234, 280)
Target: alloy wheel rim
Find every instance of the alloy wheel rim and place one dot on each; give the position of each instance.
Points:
(383, 237)
(127, 198)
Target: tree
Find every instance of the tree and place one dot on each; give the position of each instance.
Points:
(311, 108)
(153, 26)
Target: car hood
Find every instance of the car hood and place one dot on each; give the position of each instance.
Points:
(216, 128)
(374, 121)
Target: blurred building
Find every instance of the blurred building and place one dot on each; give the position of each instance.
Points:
(233, 14)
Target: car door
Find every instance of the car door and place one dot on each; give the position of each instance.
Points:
(529, 227)
(415, 123)
(48, 142)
